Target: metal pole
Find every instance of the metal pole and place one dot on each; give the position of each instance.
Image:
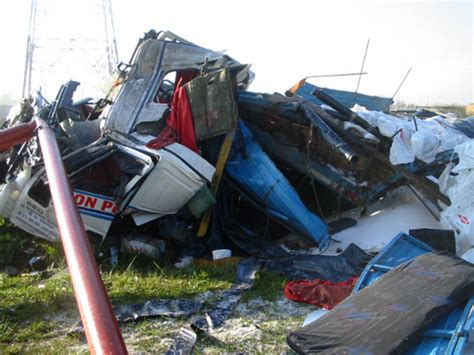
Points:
(16, 135)
(361, 70)
(101, 327)
(399, 86)
(335, 75)
(29, 51)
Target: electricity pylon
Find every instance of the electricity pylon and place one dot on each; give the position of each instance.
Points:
(69, 39)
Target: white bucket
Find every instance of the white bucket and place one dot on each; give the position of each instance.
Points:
(221, 253)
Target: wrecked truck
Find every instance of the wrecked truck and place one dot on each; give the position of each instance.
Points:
(116, 178)
(179, 136)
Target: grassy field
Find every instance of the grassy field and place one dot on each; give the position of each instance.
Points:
(37, 310)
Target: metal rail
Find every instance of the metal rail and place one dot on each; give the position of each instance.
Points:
(16, 135)
(101, 328)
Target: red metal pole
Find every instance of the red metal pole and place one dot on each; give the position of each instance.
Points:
(102, 331)
(16, 135)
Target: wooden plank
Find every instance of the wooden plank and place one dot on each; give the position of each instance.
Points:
(221, 162)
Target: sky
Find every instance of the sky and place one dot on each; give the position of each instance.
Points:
(284, 41)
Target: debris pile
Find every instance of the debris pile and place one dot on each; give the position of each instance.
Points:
(180, 160)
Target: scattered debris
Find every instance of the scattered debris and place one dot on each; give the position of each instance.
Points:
(216, 317)
(153, 308)
(181, 161)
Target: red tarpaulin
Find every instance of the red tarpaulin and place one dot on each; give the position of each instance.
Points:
(321, 293)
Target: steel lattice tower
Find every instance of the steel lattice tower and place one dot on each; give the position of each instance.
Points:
(69, 39)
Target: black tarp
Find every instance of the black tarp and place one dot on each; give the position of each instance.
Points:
(227, 232)
(334, 268)
(388, 316)
(439, 239)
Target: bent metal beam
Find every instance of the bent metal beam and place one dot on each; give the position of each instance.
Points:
(102, 331)
(10, 137)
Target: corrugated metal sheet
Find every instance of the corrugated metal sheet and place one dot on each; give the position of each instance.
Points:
(347, 98)
(258, 176)
(450, 333)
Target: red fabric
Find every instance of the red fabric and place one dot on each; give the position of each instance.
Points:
(185, 76)
(321, 293)
(179, 124)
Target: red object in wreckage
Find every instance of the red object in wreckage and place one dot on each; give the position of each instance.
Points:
(179, 125)
(10, 137)
(101, 328)
(319, 292)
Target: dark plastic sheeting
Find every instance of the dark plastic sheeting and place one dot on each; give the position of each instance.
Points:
(332, 268)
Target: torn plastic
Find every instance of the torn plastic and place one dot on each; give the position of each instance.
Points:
(150, 309)
(321, 293)
(215, 317)
(423, 139)
(349, 263)
(456, 181)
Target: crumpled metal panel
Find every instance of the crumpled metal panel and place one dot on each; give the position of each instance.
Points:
(256, 174)
(154, 59)
(176, 178)
(132, 95)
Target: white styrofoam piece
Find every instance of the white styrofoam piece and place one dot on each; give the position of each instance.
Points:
(376, 230)
(469, 256)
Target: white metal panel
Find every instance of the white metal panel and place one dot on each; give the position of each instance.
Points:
(173, 182)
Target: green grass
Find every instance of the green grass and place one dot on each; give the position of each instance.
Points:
(18, 247)
(268, 285)
(37, 310)
(135, 286)
(27, 301)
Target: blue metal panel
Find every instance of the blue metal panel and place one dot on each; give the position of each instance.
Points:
(258, 176)
(466, 328)
(401, 249)
(437, 338)
(347, 98)
(450, 333)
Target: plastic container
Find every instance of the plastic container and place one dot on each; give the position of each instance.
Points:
(201, 201)
(221, 254)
